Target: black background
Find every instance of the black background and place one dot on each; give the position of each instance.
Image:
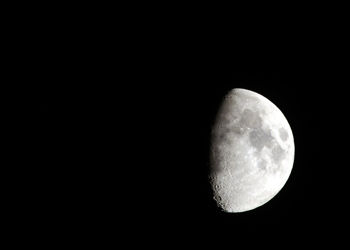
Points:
(118, 137)
(128, 159)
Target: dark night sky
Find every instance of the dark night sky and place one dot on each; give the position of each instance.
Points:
(142, 150)
(121, 104)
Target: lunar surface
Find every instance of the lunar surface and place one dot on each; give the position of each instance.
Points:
(252, 151)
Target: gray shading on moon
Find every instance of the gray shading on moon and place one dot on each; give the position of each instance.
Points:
(252, 151)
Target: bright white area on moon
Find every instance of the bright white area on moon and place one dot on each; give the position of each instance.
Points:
(252, 151)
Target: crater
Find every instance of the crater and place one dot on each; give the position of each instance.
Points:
(262, 164)
(222, 136)
(283, 134)
(238, 130)
(277, 153)
(260, 138)
(250, 119)
(216, 159)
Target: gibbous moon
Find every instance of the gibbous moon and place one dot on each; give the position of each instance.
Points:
(252, 151)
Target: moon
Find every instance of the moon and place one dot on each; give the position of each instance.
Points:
(252, 151)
